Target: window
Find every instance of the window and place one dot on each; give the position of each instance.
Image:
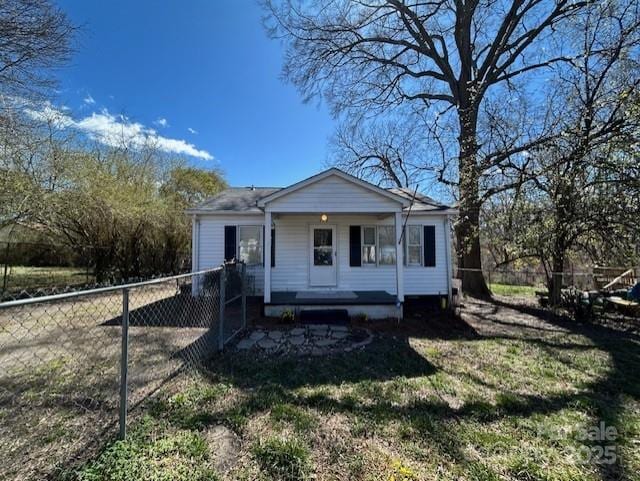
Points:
(250, 244)
(386, 245)
(369, 246)
(322, 247)
(414, 245)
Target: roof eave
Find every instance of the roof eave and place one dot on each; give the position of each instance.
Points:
(196, 211)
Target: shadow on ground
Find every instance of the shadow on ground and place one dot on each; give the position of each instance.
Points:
(392, 358)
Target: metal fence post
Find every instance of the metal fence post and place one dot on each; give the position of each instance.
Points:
(124, 361)
(222, 302)
(243, 292)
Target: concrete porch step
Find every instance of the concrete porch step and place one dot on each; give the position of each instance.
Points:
(324, 316)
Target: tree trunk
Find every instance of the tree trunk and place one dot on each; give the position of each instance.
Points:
(468, 225)
(555, 282)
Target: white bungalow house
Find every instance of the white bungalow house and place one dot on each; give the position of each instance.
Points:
(333, 241)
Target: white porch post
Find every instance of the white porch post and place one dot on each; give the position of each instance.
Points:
(267, 256)
(399, 258)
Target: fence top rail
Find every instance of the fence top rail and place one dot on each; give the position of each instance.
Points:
(101, 290)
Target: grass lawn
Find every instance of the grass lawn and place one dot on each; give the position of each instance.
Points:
(29, 278)
(509, 290)
(501, 393)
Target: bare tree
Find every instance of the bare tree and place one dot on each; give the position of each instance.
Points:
(35, 37)
(443, 55)
(582, 186)
(386, 152)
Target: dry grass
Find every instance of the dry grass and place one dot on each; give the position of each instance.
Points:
(30, 278)
(59, 383)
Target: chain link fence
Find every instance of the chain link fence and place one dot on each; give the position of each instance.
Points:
(76, 367)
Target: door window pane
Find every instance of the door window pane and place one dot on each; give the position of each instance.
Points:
(387, 245)
(322, 256)
(250, 244)
(322, 237)
(322, 247)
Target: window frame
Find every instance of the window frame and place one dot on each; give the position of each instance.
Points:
(260, 242)
(420, 245)
(375, 246)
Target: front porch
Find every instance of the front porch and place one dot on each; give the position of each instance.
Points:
(370, 304)
(332, 298)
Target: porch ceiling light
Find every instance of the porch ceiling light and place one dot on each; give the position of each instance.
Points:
(324, 217)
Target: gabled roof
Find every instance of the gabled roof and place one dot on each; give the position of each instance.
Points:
(337, 172)
(250, 200)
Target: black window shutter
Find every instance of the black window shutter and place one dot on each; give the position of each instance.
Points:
(229, 242)
(355, 249)
(273, 247)
(429, 246)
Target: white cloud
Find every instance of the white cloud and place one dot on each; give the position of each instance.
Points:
(192, 131)
(115, 131)
(89, 100)
(161, 121)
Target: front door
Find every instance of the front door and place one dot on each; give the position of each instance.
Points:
(322, 256)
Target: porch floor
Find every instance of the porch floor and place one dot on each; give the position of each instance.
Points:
(332, 298)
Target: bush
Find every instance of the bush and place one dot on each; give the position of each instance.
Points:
(287, 317)
(360, 318)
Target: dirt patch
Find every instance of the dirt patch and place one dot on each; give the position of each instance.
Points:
(224, 447)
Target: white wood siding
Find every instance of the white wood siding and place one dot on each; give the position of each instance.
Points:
(291, 271)
(211, 247)
(333, 194)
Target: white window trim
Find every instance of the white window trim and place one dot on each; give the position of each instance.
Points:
(377, 264)
(406, 245)
(260, 242)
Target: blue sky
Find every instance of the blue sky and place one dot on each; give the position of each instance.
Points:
(202, 72)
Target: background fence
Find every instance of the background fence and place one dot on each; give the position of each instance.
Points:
(529, 281)
(72, 365)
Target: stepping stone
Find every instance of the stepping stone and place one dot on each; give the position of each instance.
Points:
(257, 335)
(267, 343)
(339, 328)
(297, 340)
(316, 351)
(325, 342)
(318, 327)
(298, 331)
(245, 344)
(276, 335)
(339, 335)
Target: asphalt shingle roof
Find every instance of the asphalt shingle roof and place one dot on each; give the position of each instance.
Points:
(237, 199)
(422, 202)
